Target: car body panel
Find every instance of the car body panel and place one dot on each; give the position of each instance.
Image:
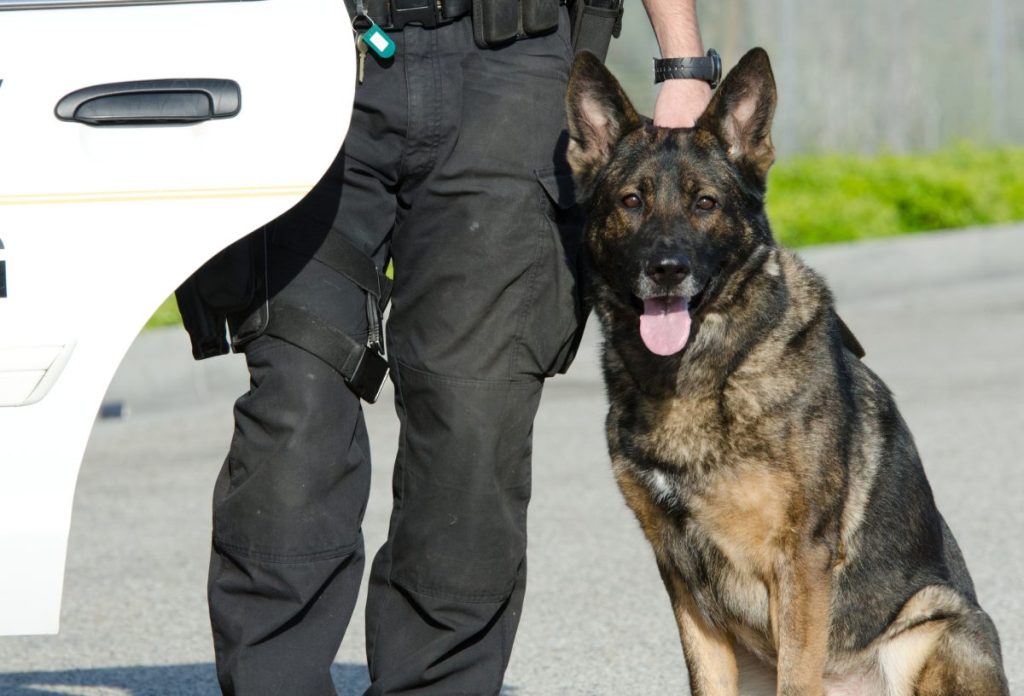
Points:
(99, 224)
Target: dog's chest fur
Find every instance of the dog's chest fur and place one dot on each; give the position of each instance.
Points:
(724, 518)
(722, 498)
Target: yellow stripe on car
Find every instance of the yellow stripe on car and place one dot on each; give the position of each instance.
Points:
(151, 195)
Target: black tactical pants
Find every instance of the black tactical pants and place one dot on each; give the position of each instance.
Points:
(454, 167)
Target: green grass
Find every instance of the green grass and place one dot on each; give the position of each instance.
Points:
(166, 315)
(820, 199)
(836, 198)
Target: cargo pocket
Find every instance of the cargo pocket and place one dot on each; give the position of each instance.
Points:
(230, 289)
(249, 312)
(558, 312)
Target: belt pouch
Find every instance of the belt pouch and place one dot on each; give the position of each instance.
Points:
(539, 16)
(594, 23)
(495, 22)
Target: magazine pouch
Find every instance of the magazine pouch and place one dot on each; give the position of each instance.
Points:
(499, 22)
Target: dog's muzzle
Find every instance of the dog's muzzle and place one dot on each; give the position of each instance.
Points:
(666, 288)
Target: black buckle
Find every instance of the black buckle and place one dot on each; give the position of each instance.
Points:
(369, 376)
(408, 11)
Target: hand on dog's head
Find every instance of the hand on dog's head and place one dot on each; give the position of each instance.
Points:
(739, 117)
(671, 213)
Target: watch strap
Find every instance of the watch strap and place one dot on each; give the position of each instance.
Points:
(707, 68)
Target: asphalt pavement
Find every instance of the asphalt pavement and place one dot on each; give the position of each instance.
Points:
(941, 316)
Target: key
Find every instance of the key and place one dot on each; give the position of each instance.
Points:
(362, 49)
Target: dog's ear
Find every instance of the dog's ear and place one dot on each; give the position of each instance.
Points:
(740, 114)
(599, 115)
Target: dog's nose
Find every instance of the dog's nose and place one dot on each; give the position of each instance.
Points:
(669, 269)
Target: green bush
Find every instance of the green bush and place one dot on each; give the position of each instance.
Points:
(834, 198)
(165, 315)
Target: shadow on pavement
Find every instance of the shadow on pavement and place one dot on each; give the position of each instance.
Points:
(159, 680)
(162, 680)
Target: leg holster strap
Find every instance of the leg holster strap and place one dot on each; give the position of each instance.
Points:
(364, 368)
(346, 258)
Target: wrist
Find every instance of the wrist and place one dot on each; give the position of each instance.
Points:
(680, 103)
(707, 68)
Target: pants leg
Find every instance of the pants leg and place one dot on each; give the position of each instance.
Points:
(461, 147)
(483, 308)
(287, 554)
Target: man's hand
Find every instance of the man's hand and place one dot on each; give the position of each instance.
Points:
(681, 102)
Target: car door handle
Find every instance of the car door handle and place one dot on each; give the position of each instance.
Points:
(151, 102)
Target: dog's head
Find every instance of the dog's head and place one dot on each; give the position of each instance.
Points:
(671, 210)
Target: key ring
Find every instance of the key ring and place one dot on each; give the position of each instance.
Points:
(372, 36)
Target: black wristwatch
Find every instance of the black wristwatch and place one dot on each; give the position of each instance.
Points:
(708, 68)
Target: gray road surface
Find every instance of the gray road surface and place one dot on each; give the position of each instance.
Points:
(942, 318)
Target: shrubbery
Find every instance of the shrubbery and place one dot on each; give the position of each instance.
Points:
(834, 198)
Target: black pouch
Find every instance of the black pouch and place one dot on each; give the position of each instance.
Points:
(495, 22)
(594, 23)
(227, 295)
(499, 22)
(539, 16)
(566, 319)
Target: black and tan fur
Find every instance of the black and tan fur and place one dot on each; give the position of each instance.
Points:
(769, 468)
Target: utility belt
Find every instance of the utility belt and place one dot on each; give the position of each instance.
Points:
(499, 22)
(393, 15)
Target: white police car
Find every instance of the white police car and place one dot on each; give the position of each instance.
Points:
(137, 138)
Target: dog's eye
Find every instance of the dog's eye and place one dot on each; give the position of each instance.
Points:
(706, 203)
(632, 201)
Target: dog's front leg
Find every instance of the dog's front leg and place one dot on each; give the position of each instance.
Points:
(709, 653)
(800, 599)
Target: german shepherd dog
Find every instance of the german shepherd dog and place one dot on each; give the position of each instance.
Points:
(768, 467)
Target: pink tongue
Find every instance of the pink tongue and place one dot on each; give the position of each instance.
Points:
(665, 324)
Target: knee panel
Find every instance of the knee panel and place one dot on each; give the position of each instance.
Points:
(462, 485)
(297, 476)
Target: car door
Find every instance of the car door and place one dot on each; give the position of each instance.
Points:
(137, 138)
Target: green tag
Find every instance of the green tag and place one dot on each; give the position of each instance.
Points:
(379, 42)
